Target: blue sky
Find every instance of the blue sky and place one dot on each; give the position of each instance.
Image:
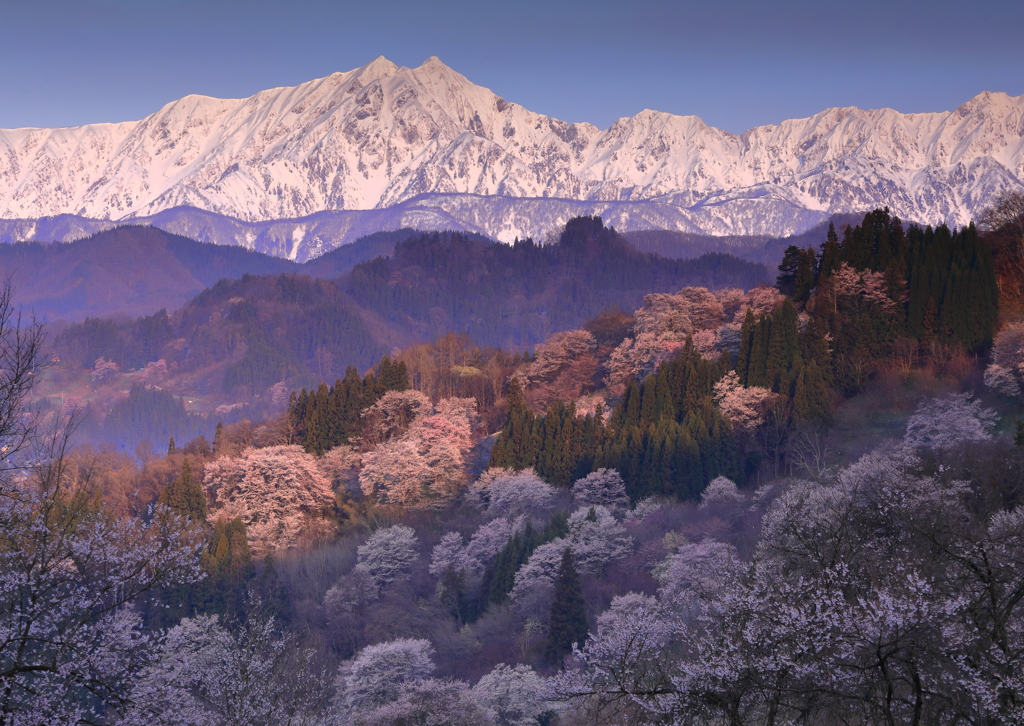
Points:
(735, 63)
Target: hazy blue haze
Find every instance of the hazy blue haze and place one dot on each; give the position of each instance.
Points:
(735, 63)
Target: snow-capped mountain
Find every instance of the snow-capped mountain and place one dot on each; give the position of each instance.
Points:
(427, 141)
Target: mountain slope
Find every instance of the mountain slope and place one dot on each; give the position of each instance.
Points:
(132, 271)
(380, 135)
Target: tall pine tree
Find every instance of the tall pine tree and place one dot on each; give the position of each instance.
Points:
(568, 622)
(185, 496)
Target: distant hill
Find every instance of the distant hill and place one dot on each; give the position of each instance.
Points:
(128, 271)
(756, 248)
(133, 271)
(514, 296)
(226, 349)
(290, 325)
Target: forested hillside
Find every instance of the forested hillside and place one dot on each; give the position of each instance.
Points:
(514, 296)
(229, 347)
(750, 505)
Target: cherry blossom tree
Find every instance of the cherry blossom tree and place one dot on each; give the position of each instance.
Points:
(488, 540)
(431, 701)
(426, 465)
(642, 509)
(351, 591)
(279, 492)
(638, 357)
(510, 493)
(596, 539)
(945, 423)
(879, 598)
(69, 640)
(449, 553)
(511, 695)
(663, 324)
(388, 554)
(604, 487)
(70, 572)
(104, 371)
(732, 300)
(376, 674)
(556, 353)
(742, 404)
(760, 301)
(723, 499)
(392, 415)
(1006, 372)
(206, 674)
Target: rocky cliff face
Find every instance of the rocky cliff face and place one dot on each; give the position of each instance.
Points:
(382, 136)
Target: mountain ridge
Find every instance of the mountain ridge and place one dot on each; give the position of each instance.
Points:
(381, 135)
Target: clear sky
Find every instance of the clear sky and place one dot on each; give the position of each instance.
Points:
(735, 63)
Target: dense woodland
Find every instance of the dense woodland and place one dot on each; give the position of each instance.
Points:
(642, 519)
(515, 296)
(233, 342)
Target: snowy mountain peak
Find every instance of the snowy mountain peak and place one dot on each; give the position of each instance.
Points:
(380, 67)
(384, 134)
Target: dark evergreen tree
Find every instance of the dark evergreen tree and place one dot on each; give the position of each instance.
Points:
(185, 496)
(746, 344)
(758, 371)
(786, 279)
(568, 623)
(783, 349)
(811, 398)
(803, 279)
(830, 254)
(219, 440)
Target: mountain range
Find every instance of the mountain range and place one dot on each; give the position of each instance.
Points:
(383, 147)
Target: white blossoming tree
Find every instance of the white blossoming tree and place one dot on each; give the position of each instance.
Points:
(941, 424)
(376, 674)
(387, 556)
(507, 492)
(604, 487)
(512, 695)
(70, 572)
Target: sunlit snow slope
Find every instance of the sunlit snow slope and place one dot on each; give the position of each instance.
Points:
(382, 135)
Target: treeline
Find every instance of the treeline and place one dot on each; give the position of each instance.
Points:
(852, 308)
(665, 437)
(153, 415)
(514, 296)
(268, 329)
(943, 281)
(130, 344)
(327, 417)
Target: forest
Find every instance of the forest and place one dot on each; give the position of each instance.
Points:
(236, 348)
(695, 499)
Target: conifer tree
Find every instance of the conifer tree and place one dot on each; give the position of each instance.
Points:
(810, 397)
(219, 439)
(228, 564)
(746, 344)
(783, 349)
(786, 279)
(568, 622)
(830, 254)
(803, 279)
(516, 446)
(185, 496)
(758, 372)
